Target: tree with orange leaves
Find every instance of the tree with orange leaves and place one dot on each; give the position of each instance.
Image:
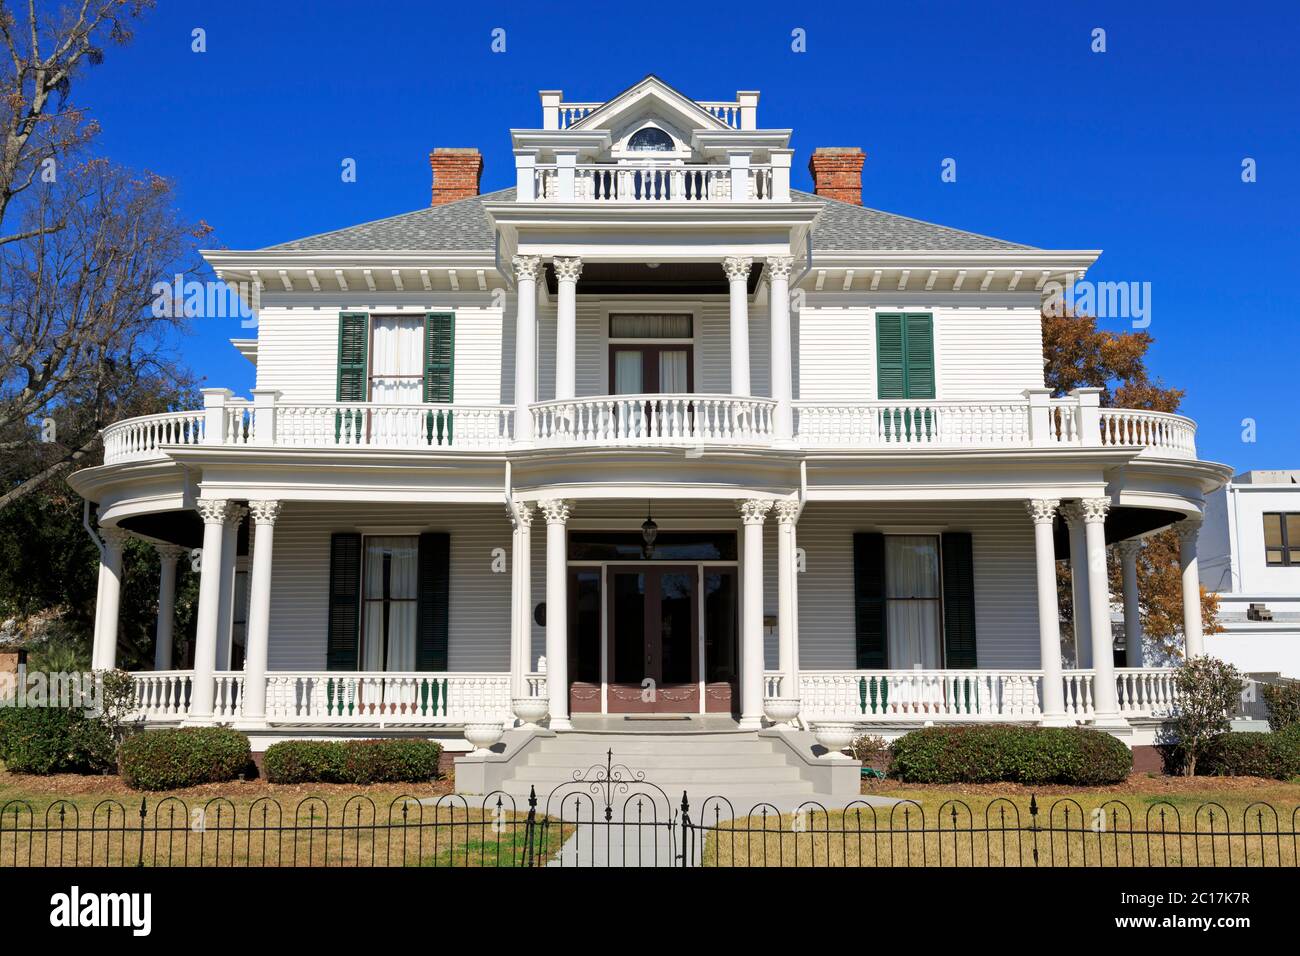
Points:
(1077, 354)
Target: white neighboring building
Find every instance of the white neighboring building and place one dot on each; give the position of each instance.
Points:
(465, 414)
(1250, 555)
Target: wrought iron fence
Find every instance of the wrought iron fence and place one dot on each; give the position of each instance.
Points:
(610, 815)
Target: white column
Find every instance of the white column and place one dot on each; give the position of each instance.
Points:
(752, 513)
(1073, 515)
(527, 269)
(1043, 511)
(104, 652)
(787, 581)
(213, 511)
(258, 640)
(778, 274)
(1193, 634)
(168, 555)
(737, 269)
(566, 327)
(1105, 697)
(1128, 555)
(226, 606)
(521, 598)
(557, 611)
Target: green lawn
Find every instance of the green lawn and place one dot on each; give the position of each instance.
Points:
(1093, 827)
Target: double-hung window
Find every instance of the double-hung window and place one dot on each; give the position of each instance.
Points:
(651, 354)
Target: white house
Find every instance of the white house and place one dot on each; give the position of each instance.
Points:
(470, 421)
(1251, 557)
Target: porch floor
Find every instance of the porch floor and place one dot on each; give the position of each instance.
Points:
(654, 724)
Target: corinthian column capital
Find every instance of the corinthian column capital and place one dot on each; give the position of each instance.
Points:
(1188, 529)
(567, 269)
(779, 267)
(753, 510)
(1042, 510)
(1095, 509)
(737, 267)
(265, 511)
(212, 510)
(527, 267)
(557, 510)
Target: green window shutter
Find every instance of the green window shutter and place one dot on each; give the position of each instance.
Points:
(918, 351)
(869, 599)
(891, 373)
(958, 599)
(904, 355)
(354, 336)
(433, 624)
(439, 357)
(344, 602)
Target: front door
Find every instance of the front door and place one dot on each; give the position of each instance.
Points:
(653, 636)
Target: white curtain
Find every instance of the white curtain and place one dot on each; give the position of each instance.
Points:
(912, 605)
(672, 372)
(627, 372)
(401, 601)
(397, 361)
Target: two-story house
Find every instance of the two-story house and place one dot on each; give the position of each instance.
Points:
(1251, 544)
(650, 432)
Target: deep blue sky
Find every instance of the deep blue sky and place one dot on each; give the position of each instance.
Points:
(1136, 151)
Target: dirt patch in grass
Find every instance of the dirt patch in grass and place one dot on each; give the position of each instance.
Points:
(1136, 784)
(71, 785)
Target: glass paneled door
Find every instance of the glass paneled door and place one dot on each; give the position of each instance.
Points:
(653, 639)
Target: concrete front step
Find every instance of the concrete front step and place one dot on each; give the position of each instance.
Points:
(691, 775)
(648, 761)
(624, 744)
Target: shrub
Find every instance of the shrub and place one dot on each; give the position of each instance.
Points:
(872, 750)
(1208, 690)
(353, 761)
(46, 740)
(1275, 755)
(1283, 705)
(1010, 754)
(186, 757)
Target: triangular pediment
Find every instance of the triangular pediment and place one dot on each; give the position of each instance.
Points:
(651, 96)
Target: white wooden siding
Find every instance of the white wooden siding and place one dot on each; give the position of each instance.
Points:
(480, 598)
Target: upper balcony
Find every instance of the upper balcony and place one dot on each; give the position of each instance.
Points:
(666, 421)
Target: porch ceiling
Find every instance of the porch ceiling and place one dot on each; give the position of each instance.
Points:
(1121, 523)
(638, 278)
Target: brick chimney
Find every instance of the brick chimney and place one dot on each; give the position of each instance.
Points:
(456, 172)
(837, 173)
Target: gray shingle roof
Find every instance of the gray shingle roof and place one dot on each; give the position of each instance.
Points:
(463, 226)
(844, 226)
(452, 227)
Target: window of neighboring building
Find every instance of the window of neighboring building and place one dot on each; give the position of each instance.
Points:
(1282, 540)
(651, 139)
(390, 592)
(651, 353)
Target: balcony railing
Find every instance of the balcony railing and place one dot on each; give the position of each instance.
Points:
(906, 696)
(685, 419)
(653, 182)
(655, 420)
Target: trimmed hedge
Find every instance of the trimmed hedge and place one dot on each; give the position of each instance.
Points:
(184, 757)
(1275, 755)
(1002, 753)
(46, 740)
(1283, 705)
(352, 761)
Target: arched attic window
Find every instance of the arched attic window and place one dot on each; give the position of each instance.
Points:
(650, 139)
